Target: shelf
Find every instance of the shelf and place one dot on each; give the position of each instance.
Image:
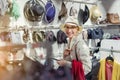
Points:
(13, 47)
(83, 2)
(99, 25)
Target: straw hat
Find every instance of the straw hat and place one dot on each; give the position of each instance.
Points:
(95, 13)
(71, 21)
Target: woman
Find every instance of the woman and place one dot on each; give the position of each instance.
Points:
(76, 45)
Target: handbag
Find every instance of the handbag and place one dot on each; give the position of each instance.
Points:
(95, 33)
(77, 68)
(113, 18)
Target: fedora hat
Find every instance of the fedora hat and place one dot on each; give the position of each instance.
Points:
(94, 13)
(71, 21)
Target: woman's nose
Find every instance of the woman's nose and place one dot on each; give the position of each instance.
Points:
(69, 30)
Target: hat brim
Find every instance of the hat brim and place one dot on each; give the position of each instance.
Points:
(62, 27)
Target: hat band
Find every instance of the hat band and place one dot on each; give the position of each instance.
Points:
(72, 23)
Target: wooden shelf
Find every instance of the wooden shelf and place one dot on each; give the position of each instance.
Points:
(13, 47)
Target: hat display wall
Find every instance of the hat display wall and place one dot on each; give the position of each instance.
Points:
(71, 20)
(95, 13)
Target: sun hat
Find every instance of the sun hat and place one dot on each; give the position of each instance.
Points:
(71, 21)
(95, 13)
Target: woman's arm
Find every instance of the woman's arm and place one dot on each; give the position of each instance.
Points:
(84, 55)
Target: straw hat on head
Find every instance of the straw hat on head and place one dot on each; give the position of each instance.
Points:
(71, 21)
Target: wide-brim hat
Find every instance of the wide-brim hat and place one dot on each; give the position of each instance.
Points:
(95, 13)
(72, 21)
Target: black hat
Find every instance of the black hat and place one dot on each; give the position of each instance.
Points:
(83, 15)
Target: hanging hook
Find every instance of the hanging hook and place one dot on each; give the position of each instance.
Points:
(111, 54)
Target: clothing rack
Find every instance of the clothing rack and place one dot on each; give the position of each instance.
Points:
(83, 2)
(103, 49)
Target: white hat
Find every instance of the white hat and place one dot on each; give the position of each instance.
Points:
(72, 21)
(95, 13)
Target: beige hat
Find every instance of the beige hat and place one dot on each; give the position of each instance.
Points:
(95, 13)
(72, 21)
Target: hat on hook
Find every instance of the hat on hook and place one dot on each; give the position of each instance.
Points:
(38, 36)
(63, 11)
(86, 14)
(83, 15)
(80, 16)
(50, 11)
(95, 13)
(33, 10)
(71, 21)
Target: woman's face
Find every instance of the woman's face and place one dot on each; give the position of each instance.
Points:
(71, 30)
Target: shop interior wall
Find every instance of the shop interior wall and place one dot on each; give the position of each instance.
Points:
(54, 48)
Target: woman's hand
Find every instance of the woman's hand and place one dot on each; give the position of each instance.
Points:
(66, 52)
(62, 62)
